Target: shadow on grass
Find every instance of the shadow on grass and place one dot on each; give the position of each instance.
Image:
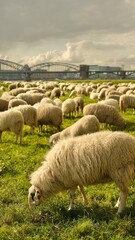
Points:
(96, 213)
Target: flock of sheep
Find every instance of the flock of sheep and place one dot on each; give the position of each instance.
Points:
(81, 154)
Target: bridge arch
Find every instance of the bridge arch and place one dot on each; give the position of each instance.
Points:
(56, 67)
(10, 65)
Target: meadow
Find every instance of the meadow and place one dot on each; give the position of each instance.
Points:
(51, 220)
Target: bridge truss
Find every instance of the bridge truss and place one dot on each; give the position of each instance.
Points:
(58, 70)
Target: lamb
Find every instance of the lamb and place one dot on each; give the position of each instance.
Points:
(71, 162)
(11, 120)
(85, 125)
(105, 114)
(30, 116)
(126, 101)
(48, 114)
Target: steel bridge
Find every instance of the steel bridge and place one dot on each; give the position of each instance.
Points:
(57, 70)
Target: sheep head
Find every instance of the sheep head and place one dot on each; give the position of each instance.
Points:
(34, 196)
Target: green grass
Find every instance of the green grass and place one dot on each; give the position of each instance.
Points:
(51, 220)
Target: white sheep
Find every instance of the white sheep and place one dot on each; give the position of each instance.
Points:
(11, 120)
(105, 114)
(16, 102)
(68, 107)
(85, 125)
(29, 114)
(126, 101)
(79, 104)
(111, 101)
(85, 160)
(48, 114)
(58, 102)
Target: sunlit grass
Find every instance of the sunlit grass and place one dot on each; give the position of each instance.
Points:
(51, 220)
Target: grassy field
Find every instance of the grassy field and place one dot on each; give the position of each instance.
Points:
(51, 220)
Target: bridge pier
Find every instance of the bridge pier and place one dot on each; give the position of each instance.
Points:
(84, 72)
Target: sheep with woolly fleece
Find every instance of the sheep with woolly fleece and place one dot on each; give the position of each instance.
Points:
(111, 101)
(85, 125)
(58, 102)
(30, 98)
(86, 160)
(68, 107)
(55, 92)
(3, 105)
(16, 102)
(79, 104)
(46, 100)
(11, 120)
(93, 95)
(105, 114)
(126, 101)
(29, 114)
(113, 96)
(49, 114)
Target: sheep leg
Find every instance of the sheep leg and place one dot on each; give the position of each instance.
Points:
(83, 195)
(117, 203)
(72, 198)
(32, 130)
(122, 200)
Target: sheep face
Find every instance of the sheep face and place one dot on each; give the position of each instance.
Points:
(34, 196)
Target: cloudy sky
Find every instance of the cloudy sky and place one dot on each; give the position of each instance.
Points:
(89, 32)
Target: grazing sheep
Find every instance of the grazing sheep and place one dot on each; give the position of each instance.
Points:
(58, 102)
(16, 102)
(105, 114)
(113, 96)
(55, 93)
(30, 116)
(30, 98)
(68, 107)
(48, 114)
(126, 101)
(3, 105)
(85, 160)
(85, 125)
(111, 101)
(94, 95)
(79, 104)
(11, 120)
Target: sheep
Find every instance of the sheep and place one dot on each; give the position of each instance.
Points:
(30, 116)
(11, 120)
(55, 93)
(85, 125)
(79, 104)
(16, 102)
(3, 105)
(30, 98)
(58, 102)
(48, 114)
(126, 101)
(85, 160)
(105, 114)
(113, 96)
(111, 101)
(68, 107)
